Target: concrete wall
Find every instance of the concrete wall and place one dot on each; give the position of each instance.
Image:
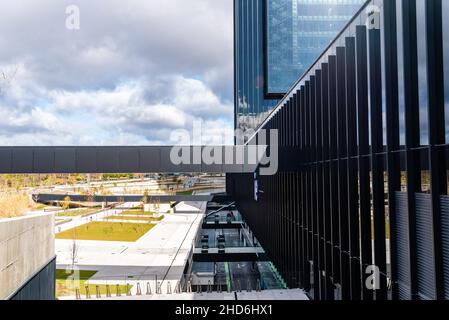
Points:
(27, 246)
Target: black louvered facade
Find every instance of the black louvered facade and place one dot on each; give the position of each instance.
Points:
(363, 161)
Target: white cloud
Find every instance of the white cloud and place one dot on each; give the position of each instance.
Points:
(133, 73)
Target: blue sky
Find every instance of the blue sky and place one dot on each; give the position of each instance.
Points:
(133, 73)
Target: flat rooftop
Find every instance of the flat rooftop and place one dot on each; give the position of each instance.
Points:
(160, 254)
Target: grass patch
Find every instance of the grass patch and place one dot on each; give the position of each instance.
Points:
(137, 213)
(40, 206)
(184, 193)
(132, 218)
(107, 231)
(83, 274)
(75, 213)
(66, 287)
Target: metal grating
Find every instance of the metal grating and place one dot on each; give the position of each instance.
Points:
(424, 248)
(445, 241)
(403, 247)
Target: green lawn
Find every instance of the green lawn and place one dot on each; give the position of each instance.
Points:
(184, 193)
(132, 218)
(137, 213)
(83, 274)
(76, 213)
(107, 231)
(66, 287)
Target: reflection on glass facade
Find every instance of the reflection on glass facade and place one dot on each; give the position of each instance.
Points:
(251, 105)
(401, 74)
(422, 70)
(297, 33)
(446, 65)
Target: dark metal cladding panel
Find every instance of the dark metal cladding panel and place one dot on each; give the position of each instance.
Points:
(235, 167)
(403, 247)
(22, 160)
(44, 160)
(424, 248)
(215, 164)
(193, 167)
(65, 160)
(5, 160)
(40, 287)
(168, 166)
(128, 160)
(445, 242)
(107, 160)
(86, 160)
(150, 159)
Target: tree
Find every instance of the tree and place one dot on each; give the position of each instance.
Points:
(74, 252)
(145, 197)
(66, 203)
(90, 198)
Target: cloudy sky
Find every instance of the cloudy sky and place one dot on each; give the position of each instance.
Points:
(133, 73)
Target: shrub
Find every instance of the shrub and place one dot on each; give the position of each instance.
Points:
(14, 204)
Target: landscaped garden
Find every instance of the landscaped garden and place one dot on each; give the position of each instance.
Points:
(184, 193)
(137, 213)
(107, 231)
(135, 218)
(66, 285)
(76, 213)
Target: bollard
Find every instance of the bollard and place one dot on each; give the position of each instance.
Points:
(87, 292)
(169, 287)
(148, 289)
(209, 287)
(108, 291)
(117, 291)
(159, 288)
(258, 289)
(128, 290)
(189, 286)
(248, 286)
(219, 289)
(97, 292)
(78, 294)
(178, 288)
(139, 291)
(199, 288)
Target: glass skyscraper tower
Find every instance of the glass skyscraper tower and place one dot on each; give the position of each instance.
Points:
(275, 42)
(297, 32)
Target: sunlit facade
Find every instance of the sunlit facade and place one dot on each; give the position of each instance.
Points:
(297, 33)
(275, 42)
